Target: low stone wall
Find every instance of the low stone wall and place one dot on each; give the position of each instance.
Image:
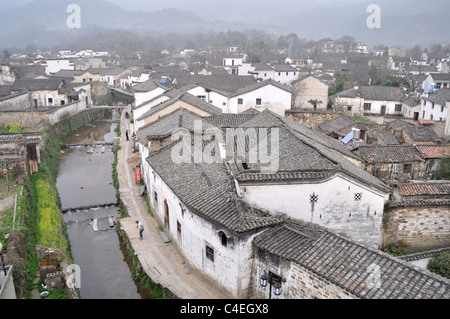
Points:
(311, 118)
(26, 119)
(57, 115)
(419, 224)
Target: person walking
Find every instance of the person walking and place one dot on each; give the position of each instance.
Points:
(140, 227)
(126, 134)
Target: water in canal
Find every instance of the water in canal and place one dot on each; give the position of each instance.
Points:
(85, 180)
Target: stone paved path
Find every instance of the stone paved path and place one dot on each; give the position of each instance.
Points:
(159, 259)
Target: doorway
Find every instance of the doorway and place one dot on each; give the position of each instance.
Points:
(166, 215)
(383, 110)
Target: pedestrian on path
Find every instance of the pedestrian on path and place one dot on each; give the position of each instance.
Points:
(126, 134)
(140, 227)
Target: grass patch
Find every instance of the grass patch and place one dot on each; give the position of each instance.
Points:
(361, 119)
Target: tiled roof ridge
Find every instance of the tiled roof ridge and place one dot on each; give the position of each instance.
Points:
(419, 202)
(424, 254)
(328, 238)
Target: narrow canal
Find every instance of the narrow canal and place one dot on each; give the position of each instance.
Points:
(88, 200)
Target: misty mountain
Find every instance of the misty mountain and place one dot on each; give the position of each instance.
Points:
(44, 22)
(403, 22)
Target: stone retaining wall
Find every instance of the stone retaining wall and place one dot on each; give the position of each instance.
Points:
(424, 225)
(305, 284)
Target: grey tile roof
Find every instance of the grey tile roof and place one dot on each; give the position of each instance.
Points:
(347, 264)
(420, 202)
(261, 84)
(382, 93)
(441, 76)
(337, 124)
(388, 138)
(441, 96)
(390, 154)
(222, 83)
(398, 125)
(148, 86)
(51, 84)
(229, 120)
(166, 125)
(284, 68)
(421, 134)
(304, 150)
(185, 97)
(209, 191)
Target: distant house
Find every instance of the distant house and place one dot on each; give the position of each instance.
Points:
(54, 65)
(285, 73)
(176, 101)
(436, 81)
(397, 63)
(20, 153)
(393, 163)
(264, 95)
(435, 105)
(420, 135)
(307, 89)
(433, 154)
(52, 92)
(411, 108)
(371, 100)
(231, 64)
(423, 190)
(340, 127)
(386, 138)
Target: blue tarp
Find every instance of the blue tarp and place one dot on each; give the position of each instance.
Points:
(430, 89)
(348, 138)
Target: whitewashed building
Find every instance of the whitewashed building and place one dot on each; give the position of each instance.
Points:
(212, 210)
(435, 106)
(264, 95)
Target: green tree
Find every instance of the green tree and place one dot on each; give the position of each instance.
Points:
(315, 103)
(440, 264)
(6, 55)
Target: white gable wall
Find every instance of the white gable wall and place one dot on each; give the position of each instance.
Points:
(336, 208)
(273, 98)
(144, 108)
(141, 97)
(211, 97)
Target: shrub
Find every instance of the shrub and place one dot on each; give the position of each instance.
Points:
(440, 265)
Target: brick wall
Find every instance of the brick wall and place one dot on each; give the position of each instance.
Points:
(417, 227)
(304, 284)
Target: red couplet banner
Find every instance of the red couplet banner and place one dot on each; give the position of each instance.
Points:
(137, 175)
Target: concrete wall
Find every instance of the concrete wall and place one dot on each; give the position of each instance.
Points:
(335, 209)
(417, 227)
